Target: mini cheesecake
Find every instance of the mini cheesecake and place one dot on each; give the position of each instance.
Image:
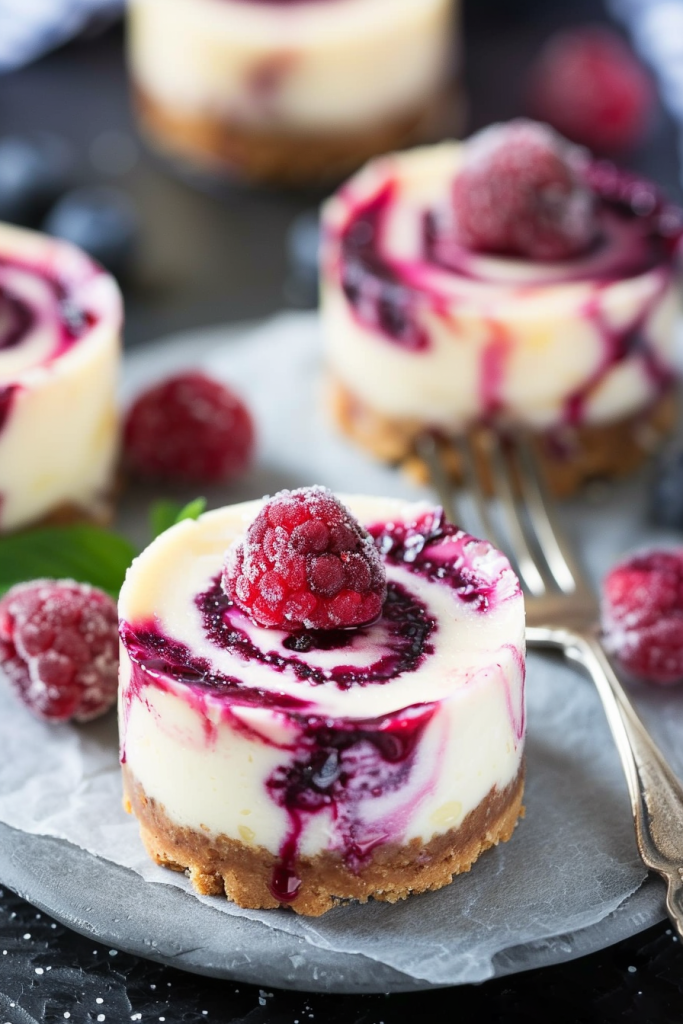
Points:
(60, 328)
(288, 91)
(424, 333)
(312, 767)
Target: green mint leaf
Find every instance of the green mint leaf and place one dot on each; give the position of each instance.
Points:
(192, 510)
(81, 552)
(166, 513)
(163, 515)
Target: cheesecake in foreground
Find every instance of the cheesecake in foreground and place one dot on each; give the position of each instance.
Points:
(367, 741)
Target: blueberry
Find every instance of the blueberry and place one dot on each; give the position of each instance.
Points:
(100, 219)
(34, 171)
(667, 493)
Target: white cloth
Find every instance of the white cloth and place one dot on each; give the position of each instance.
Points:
(29, 28)
(656, 27)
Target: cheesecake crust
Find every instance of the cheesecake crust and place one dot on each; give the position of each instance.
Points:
(68, 514)
(292, 159)
(220, 865)
(570, 456)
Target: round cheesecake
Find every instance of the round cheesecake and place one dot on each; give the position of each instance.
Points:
(288, 91)
(309, 768)
(60, 327)
(423, 333)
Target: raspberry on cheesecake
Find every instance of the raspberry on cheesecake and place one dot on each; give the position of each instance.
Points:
(60, 339)
(306, 563)
(510, 279)
(290, 92)
(312, 761)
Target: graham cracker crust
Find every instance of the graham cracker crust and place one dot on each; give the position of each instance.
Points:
(219, 865)
(277, 158)
(68, 514)
(569, 456)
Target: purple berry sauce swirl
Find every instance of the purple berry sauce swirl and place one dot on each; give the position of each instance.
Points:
(637, 231)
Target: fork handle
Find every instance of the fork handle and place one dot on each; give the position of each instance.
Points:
(656, 794)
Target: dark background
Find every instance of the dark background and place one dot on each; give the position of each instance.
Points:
(209, 255)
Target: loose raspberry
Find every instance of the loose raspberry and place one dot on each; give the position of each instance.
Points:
(642, 615)
(519, 191)
(588, 85)
(59, 648)
(306, 563)
(189, 428)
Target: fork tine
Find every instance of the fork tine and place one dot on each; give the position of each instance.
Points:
(521, 552)
(553, 546)
(427, 449)
(474, 486)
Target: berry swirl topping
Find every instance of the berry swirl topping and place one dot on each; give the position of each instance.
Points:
(51, 296)
(511, 211)
(439, 583)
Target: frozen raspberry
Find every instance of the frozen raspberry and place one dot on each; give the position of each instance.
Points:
(189, 428)
(589, 85)
(520, 191)
(306, 563)
(59, 648)
(642, 615)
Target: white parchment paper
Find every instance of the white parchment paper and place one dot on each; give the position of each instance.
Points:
(572, 860)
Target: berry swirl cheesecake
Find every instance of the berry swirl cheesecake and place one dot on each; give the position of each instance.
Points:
(288, 91)
(60, 329)
(321, 702)
(510, 279)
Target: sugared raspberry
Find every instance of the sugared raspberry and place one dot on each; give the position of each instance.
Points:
(306, 563)
(642, 615)
(189, 428)
(519, 191)
(59, 648)
(589, 85)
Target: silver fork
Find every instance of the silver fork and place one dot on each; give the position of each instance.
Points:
(563, 613)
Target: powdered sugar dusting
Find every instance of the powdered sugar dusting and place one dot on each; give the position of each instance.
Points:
(306, 562)
(59, 648)
(520, 191)
(642, 615)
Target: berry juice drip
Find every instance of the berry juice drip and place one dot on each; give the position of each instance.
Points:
(6, 397)
(160, 658)
(493, 364)
(618, 345)
(16, 320)
(374, 287)
(337, 767)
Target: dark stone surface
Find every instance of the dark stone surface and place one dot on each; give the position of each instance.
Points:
(49, 972)
(207, 256)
